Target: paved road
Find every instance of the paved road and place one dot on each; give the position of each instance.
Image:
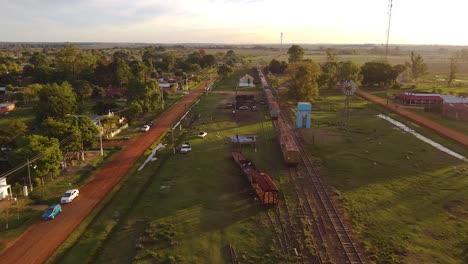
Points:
(438, 128)
(41, 240)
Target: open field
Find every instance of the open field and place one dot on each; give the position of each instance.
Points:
(406, 199)
(186, 211)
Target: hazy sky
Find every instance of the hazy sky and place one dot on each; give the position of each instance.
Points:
(234, 21)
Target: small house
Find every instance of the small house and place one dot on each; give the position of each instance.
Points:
(5, 189)
(246, 81)
(115, 92)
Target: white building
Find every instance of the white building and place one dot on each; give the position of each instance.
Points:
(5, 189)
(451, 99)
(246, 81)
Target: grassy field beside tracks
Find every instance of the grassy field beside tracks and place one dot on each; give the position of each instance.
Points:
(406, 199)
(189, 207)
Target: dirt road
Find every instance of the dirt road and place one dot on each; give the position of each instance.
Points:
(438, 128)
(40, 241)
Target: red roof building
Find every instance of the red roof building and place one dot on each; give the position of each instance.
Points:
(420, 98)
(111, 92)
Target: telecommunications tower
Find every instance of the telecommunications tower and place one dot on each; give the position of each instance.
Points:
(281, 41)
(390, 5)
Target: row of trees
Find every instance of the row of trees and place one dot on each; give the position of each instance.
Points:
(306, 76)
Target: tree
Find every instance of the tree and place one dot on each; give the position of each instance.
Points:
(328, 76)
(56, 101)
(277, 67)
(225, 71)
(378, 73)
(122, 73)
(296, 53)
(146, 93)
(71, 62)
(32, 145)
(331, 55)
(417, 66)
(453, 69)
(304, 77)
(348, 71)
(83, 90)
(61, 129)
(133, 110)
(208, 61)
(39, 59)
(31, 92)
(11, 132)
(202, 52)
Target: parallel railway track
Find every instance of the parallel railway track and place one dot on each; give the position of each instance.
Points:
(325, 202)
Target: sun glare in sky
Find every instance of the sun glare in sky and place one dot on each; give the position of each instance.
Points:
(235, 21)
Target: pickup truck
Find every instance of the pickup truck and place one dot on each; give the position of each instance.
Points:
(185, 148)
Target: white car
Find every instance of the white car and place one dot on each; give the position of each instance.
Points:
(202, 134)
(69, 196)
(244, 107)
(185, 148)
(145, 128)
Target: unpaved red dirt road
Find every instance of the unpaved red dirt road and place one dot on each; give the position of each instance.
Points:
(438, 128)
(40, 241)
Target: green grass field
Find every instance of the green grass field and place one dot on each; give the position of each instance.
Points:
(407, 200)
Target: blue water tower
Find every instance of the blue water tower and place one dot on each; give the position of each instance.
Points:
(303, 114)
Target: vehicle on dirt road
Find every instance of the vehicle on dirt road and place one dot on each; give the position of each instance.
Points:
(244, 107)
(149, 123)
(145, 128)
(69, 196)
(51, 212)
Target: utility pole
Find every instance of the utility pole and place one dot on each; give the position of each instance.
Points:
(100, 136)
(29, 174)
(162, 97)
(388, 28)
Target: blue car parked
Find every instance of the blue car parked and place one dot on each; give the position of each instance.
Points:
(52, 211)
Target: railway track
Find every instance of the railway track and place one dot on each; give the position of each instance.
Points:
(331, 215)
(339, 245)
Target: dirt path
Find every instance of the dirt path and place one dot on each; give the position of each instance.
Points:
(40, 241)
(438, 128)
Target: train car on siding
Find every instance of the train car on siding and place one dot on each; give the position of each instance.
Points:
(263, 186)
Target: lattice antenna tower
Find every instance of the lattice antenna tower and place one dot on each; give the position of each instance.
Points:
(281, 43)
(390, 5)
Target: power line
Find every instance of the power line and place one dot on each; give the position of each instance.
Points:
(36, 158)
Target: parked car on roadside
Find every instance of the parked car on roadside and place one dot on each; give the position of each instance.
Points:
(69, 196)
(145, 128)
(51, 212)
(202, 134)
(244, 107)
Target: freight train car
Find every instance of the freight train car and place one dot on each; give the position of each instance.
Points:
(264, 188)
(288, 147)
(271, 101)
(272, 105)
